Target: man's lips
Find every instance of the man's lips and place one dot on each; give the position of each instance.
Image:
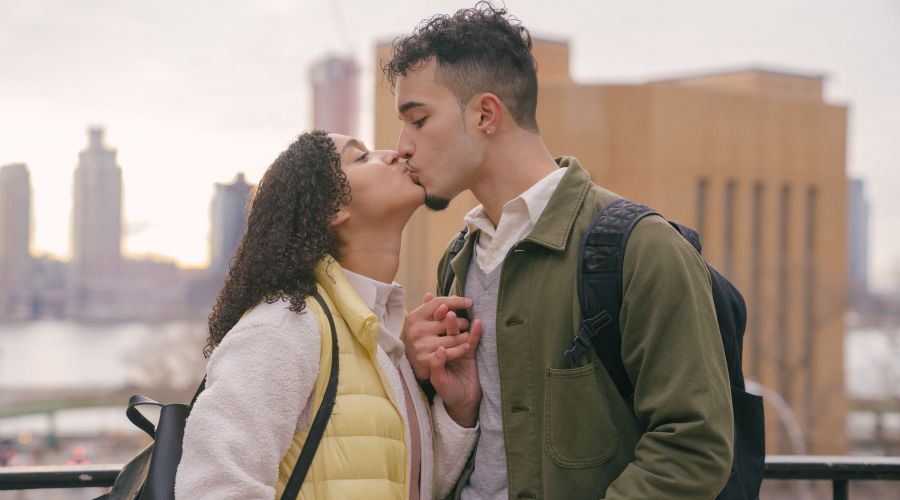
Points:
(411, 172)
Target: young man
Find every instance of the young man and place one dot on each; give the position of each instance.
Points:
(466, 90)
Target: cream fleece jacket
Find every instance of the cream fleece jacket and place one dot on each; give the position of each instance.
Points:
(243, 422)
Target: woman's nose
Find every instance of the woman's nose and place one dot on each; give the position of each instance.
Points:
(388, 156)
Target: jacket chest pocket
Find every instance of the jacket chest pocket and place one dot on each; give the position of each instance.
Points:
(579, 431)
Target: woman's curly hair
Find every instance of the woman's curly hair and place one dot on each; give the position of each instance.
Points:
(287, 233)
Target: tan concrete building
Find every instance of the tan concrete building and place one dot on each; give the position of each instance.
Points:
(753, 159)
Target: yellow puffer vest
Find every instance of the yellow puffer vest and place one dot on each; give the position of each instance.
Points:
(363, 451)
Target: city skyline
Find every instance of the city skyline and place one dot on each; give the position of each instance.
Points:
(98, 282)
(190, 104)
(96, 212)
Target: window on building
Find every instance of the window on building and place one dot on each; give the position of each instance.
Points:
(756, 305)
(809, 297)
(730, 191)
(702, 184)
(784, 217)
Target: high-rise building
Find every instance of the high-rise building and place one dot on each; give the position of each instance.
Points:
(335, 86)
(97, 208)
(15, 239)
(858, 238)
(228, 214)
(755, 160)
(94, 279)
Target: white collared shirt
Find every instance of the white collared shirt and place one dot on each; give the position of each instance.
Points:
(517, 219)
(386, 301)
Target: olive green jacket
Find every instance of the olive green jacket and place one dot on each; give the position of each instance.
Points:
(568, 432)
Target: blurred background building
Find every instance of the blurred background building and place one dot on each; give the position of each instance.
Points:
(228, 217)
(228, 213)
(335, 93)
(754, 159)
(96, 231)
(15, 239)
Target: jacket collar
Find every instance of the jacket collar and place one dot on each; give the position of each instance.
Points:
(361, 321)
(555, 224)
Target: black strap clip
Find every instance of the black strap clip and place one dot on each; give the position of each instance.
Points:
(590, 328)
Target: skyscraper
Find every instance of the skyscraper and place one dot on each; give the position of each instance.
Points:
(97, 209)
(15, 238)
(858, 238)
(228, 215)
(335, 83)
(93, 282)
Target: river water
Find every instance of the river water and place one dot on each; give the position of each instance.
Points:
(45, 355)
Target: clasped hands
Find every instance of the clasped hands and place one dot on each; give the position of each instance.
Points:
(441, 348)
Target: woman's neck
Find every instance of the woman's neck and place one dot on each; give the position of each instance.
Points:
(371, 252)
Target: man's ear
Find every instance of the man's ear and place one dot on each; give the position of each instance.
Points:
(339, 218)
(488, 109)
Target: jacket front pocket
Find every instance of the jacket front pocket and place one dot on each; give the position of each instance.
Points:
(579, 431)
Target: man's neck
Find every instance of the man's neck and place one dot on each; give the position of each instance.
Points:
(511, 170)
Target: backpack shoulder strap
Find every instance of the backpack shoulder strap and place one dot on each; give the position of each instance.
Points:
(600, 263)
(456, 246)
(320, 421)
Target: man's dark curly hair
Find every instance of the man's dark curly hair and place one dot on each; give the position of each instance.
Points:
(477, 50)
(287, 234)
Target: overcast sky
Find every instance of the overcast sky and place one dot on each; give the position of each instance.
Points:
(190, 93)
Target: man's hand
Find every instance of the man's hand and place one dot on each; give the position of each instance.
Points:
(454, 375)
(433, 325)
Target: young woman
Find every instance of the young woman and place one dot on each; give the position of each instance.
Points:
(327, 215)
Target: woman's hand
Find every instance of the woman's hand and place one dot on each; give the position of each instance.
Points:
(454, 374)
(426, 328)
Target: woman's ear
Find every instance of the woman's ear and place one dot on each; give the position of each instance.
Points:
(339, 218)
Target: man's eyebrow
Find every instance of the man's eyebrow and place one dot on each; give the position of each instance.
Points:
(353, 143)
(408, 106)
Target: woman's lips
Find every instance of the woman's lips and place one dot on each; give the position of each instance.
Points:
(411, 173)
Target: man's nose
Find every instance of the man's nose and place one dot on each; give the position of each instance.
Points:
(405, 148)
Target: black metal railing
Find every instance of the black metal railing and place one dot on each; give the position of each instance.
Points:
(839, 470)
(58, 476)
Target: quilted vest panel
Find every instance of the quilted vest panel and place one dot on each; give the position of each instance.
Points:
(363, 451)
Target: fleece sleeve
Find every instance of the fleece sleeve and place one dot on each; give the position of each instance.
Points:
(452, 446)
(259, 382)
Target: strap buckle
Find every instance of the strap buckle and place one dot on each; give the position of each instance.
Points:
(590, 328)
(576, 349)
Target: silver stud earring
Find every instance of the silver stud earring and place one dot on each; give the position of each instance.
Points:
(490, 131)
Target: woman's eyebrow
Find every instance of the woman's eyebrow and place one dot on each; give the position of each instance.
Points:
(354, 143)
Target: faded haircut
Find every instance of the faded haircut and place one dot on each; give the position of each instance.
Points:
(477, 50)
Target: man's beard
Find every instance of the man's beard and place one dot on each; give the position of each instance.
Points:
(436, 203)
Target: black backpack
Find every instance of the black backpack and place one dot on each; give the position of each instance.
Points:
(600, 261)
